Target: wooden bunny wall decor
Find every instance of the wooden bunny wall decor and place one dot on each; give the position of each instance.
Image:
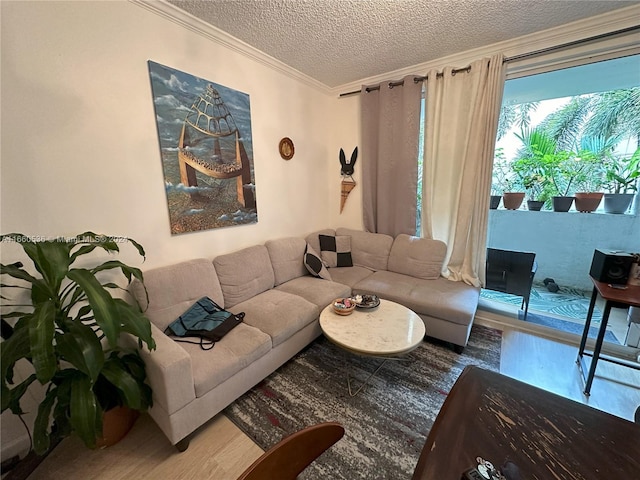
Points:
(346, 170)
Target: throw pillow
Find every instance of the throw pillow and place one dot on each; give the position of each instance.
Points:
(314, 264)
(336, 250)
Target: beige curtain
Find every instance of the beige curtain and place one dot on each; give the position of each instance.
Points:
(390, 119)
(460, 131)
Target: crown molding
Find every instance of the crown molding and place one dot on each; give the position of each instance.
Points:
(189, 22)
(589, 27)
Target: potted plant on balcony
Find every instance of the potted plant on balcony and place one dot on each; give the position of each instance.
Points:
(539, 155)
(563, 168)
(512, 199)
(68, 327)
(499, 178)
(534, 185)
(621, 179)
(589, 181)
(529, 170)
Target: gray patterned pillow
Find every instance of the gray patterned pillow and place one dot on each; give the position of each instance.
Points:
(314, 264)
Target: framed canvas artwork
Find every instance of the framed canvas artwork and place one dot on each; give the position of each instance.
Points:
(206, 149)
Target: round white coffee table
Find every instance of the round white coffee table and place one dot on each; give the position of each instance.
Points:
(387, 331)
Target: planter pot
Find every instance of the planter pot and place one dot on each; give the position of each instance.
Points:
(495, 201)
(562, 204)
(116, 423)
(512, 200)
(534, 205)
(587, 202)
(617, 202)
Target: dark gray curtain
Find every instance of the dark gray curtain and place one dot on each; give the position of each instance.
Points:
(390, 119)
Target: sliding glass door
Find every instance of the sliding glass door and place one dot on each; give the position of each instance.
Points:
(563, 133)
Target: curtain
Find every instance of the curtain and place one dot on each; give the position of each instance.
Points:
(390, 120)
(462, 111)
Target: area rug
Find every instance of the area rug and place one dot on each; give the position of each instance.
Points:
(567, 326)
(567, 302)
(386, 425)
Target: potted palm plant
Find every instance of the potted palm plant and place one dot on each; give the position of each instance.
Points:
(68, 327)
(621, 179)
(540, 153)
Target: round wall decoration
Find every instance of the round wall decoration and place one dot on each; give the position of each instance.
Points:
(286, 148)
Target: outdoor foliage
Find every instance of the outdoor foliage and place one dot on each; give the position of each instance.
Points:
(573, 148)
(60, 329)
(622, 174)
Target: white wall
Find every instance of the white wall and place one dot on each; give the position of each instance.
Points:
(79, 145)
(79, 142)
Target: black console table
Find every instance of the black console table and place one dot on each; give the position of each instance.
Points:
(614, 297)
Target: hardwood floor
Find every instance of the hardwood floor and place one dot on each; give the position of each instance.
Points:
(221, 451)
(552, 366)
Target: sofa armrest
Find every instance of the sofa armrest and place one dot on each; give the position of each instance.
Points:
(168, 371)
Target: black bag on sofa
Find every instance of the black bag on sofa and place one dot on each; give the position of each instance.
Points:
(205, 320)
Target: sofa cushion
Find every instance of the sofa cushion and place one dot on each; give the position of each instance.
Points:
(314, 265)
(313, 238)
(244, 274)
(417, 257)
(278, 314)
(370, 250)
(350, 275)
(286, 258)
(317, 291)
(238, 349)
(175, 288)
(441, 298)
(336, 250)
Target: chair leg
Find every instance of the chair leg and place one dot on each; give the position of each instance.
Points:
(525, 302)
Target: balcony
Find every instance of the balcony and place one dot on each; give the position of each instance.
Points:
(564, 243)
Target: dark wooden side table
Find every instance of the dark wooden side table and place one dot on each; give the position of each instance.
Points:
(614, 297)
(547, 436)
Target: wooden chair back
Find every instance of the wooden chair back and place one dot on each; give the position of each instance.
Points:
(287, 459)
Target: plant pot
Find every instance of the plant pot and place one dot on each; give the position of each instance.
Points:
(562, 204)
(534, 205)
(116, 423)
(587, 202)
(512, 200)
(617, 202)
(495, 201)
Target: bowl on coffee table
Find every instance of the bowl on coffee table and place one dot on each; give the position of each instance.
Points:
(343, 306)
(366, 300)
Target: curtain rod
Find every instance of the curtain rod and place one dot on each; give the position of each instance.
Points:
(401, 82)
(511, 59)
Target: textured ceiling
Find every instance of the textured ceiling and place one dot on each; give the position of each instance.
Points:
(341, 41)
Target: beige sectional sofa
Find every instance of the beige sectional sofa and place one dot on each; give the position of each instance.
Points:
(282, 303)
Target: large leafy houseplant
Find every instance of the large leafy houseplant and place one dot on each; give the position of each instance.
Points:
(69, 329)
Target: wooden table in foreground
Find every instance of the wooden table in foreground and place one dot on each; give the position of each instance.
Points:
(495, 417)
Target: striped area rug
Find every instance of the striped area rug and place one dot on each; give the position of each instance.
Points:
(386, 424)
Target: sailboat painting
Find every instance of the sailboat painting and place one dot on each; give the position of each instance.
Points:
(207, 152)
